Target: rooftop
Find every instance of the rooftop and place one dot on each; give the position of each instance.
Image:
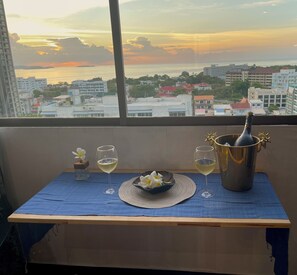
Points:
(203, 97)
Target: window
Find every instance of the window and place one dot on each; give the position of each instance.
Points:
(177, 113)
(164, 53)
(59, 49)
(206, 48)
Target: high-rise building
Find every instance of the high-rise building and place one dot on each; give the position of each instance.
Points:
(28, 85)
(220, 71)
(291, 107)
(269, 97)
(260, 75)
(284, 79)
(90, 88)
(9, 98)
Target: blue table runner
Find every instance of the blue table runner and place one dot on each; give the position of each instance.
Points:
(66, 196)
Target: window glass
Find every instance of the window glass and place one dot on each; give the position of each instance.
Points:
(63, 59)
(233, 50)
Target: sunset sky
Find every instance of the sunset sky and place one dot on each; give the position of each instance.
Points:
(76, 32)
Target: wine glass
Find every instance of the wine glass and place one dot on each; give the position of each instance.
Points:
(205, 162)
(107, 160)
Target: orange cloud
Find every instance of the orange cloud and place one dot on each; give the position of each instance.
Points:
(60, 64)
(235, 40)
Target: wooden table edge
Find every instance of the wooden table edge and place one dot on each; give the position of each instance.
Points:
(149, 221)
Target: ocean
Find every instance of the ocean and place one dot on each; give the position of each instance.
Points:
(69, 74)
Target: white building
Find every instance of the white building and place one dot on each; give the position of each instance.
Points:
(75, 95)
(291, 107)
(90, 88)
(222, 110)
(220, 71)
(257, 107)
(158, 107)
(26, 100)
(107, 106)
(202, 86)
(269, 97)
(147, 82)
(28, 85)
(284, 79)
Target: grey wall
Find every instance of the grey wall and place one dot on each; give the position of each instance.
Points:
(31, 157)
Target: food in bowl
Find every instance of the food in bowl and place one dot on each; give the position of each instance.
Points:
(155, 181)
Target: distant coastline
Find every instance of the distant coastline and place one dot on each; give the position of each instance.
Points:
(68, 74)
(87, 66)
(31, 67)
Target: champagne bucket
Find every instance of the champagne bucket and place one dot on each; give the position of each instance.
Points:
(237, 163)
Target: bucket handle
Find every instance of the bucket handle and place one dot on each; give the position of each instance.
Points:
(210, 138)
(263, 137)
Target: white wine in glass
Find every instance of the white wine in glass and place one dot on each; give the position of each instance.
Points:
(107, 160)
(205, 163)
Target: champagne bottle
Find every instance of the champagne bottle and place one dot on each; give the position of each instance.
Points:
(246, 138)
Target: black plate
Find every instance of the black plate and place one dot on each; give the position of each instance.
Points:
(168, 182)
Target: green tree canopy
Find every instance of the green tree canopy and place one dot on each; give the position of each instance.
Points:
(142, 91)
(51, 94)
(179, 92)
(112, 86)
(272, 108)
(240, 87)
(37, 93)
(96, 79)
(257, 85)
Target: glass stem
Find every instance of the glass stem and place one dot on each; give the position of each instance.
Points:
(109, 189)
(205, 181)
(109, 180)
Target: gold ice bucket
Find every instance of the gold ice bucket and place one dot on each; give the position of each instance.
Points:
(237, 163)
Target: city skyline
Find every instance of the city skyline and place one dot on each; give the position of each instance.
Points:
(79, 34)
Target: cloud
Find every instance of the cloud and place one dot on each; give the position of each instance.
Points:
(142, 45)
(140, 50)
(61, 52)
(256, 4)
(73, 52)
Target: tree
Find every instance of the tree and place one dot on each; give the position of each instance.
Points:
(96, 79)
(142, 91)
(112, 86)
(63, 83)
(199, 78)
(56, 89)
(36, 93)
(240, 87)
(257, 85)
(184, 76)
(51, 94)
(145, 78)
(132, 81)
(179, 92)
(168, 82)
(272, 108)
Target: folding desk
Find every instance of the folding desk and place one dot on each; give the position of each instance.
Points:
(66, 201)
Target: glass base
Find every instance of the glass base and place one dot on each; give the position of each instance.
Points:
(109, 191)
(206, 194)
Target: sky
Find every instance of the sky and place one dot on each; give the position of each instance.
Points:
(78, 33)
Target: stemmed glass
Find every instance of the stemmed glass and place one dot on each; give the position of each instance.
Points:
(107, 160)
(205, 162)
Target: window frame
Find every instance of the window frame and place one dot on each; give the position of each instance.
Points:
(124, 119)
